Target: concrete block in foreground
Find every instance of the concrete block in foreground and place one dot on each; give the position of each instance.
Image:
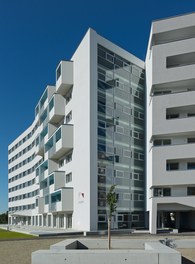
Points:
(84, 252)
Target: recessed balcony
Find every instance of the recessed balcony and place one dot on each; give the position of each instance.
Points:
(56, 109)
(173, 165)
(64, 77)
(171, 63)
(171, 115)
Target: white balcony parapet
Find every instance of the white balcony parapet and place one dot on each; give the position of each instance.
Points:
(59, 180)
(41, 205)
(56, 109)
(61, 141)
(66, 203)
(64, 77)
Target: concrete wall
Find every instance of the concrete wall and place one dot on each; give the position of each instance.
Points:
(65, 252)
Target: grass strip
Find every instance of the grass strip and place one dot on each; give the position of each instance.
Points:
(5, 234)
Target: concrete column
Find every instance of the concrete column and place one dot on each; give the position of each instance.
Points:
(153, 218)
(65, 221)
(177, 220)
(52, 220)
(162, 220)
(57, 221)
(158, 220)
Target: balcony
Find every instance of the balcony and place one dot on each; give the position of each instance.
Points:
(60, 143)
(59, 179)
(62, 200)
(171, 63)
(166, 107)
(43, 102)
(54, 181)
(42, 171)
(56, 109)
(64, 77)
(39, 150)
(183, 155)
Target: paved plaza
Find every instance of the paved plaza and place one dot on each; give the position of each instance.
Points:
(19, 251)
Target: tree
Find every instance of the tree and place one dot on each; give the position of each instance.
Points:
(111, 200)
(4, 218)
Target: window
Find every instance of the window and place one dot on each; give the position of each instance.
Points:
(102, 218)
(69, 177)
(166, 192)
(56, 197)
(191, 190)
(191, 114)
(109, 57)
(172, 166)
(101, 179)
(51, 179)
(101, 171)
(135, 218)
(58, 135)
(69, 117)
(58, 72)
(69, 158)
(172, 116)
(68, 97)
(158, 192)
(51, 104)
(162, 142)
(47, 199)
(191, 140)
(61, 163)
(69, 221)
(191, 166)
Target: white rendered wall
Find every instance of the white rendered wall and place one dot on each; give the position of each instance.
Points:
(178, 79)
(81, 112)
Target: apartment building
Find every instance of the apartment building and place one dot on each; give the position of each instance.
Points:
(88, 133)
(170, 77)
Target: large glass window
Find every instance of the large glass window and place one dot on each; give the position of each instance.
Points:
(120, 132)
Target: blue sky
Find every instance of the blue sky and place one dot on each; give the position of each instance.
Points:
(36, 34)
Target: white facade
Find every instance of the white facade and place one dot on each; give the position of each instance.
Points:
(88, 134)
(170, 68)
(60, 187)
